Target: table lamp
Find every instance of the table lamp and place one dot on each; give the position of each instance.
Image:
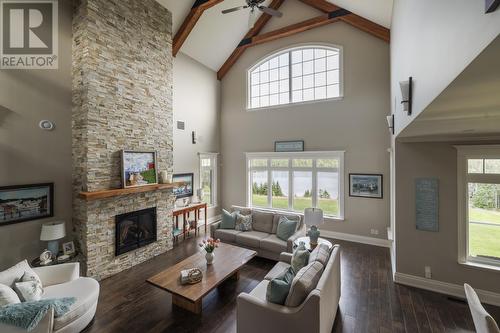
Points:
(52, 232)
(313, 217)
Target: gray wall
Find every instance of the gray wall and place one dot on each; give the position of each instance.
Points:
(355, 124)
(454, 33)
(30, 155)
(416, 249)
(197, 102)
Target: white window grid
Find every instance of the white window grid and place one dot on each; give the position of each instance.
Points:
(296, 75)
(314, 169)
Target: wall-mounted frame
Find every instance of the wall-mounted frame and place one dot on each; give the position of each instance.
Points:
(21, 203)
(288, 146)
(138, 168)
(366, 185)
(185, 190)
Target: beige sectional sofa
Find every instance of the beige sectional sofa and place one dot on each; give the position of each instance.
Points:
(316, 314)
(262, 238)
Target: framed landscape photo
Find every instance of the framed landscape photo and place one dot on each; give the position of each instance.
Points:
(366, 185)
(185, 190)
(288, 146)
(26, 202)
(138, 168)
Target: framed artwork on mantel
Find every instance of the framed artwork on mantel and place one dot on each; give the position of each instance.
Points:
(21, 203)
(138, 168)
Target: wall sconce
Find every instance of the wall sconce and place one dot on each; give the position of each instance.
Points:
(193, 137)
(406, 93)
(390, 122)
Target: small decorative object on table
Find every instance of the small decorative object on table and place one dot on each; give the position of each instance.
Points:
(191, 276)
(313, 217)
(209, 245)
(45, 257)
(69, 248)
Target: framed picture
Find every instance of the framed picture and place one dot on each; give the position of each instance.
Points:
(69, 248)
(26, 202)
(366, 185)
(138, 168)
(288, 146)
(185, 190)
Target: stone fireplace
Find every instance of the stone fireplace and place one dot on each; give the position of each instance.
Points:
(134, 230)
(122, 99)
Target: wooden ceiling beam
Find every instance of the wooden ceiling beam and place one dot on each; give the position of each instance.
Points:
(255, 30)
(352, 19)
(189, 23)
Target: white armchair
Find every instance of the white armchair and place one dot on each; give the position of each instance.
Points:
(64, 281)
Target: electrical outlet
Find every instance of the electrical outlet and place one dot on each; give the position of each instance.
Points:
(374, 231)
(428, 273)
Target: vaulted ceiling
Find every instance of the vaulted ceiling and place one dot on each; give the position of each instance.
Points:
(215, 36)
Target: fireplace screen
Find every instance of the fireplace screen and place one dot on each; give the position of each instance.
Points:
(135, 230)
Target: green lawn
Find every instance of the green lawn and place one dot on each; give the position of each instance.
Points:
(329, 206)
(484, 240)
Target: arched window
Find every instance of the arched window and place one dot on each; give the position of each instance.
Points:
(296, 75)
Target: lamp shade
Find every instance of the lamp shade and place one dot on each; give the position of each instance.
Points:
(313, 216)
(53, 231)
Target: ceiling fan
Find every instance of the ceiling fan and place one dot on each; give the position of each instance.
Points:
(253, 4)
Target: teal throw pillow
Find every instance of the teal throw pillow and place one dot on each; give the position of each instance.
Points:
(300, 257)
(279, 287)
(243, 222)
(286, 228)
(228, 220)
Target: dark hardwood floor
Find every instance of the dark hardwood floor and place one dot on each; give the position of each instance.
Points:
(370, 301)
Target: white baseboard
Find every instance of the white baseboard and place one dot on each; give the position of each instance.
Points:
(444, 287)
(356, 238)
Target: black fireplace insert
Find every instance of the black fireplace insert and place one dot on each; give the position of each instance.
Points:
(134, 230)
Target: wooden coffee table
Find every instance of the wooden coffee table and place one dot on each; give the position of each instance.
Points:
(227, 262)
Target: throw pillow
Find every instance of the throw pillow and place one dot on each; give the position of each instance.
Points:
(321, 253)
(29, 291)
(243, 222)
(278, 288)
(15, 273)
(286, 228)
(300, 257)
(8, 296)
(228, 220)
(303, 283)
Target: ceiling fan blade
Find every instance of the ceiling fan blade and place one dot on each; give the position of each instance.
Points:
(270, 11)
(230, 10)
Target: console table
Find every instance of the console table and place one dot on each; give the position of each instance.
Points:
(185, 212)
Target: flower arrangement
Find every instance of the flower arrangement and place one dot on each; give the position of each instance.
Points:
(210, 244)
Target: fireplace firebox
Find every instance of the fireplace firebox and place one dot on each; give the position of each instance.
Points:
(134, 230)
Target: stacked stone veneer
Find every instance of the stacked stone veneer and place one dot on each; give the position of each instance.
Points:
(122, 99)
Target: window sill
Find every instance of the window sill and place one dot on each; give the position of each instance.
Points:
(481, 266)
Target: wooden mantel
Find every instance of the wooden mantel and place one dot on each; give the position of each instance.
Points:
(129, 190)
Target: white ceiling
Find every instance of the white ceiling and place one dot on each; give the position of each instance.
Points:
(215, 36)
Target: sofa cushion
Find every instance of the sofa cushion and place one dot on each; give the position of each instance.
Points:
(278, 288)
(86, 292)
(226, 235)
(262, 221)
(261, 290)
(276, 220)
(303, 283)
(228, 220)
(243, 222)
(286, 227)
(273, 243)
(8, 296)
(251, 238)
(278, 269)
(15, 273)
(321, 253)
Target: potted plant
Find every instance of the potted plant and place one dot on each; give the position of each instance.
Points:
(209, 245)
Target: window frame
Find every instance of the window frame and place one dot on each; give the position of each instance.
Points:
(464, 153)
(290, 49)
(314, 155)
(214, 181)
